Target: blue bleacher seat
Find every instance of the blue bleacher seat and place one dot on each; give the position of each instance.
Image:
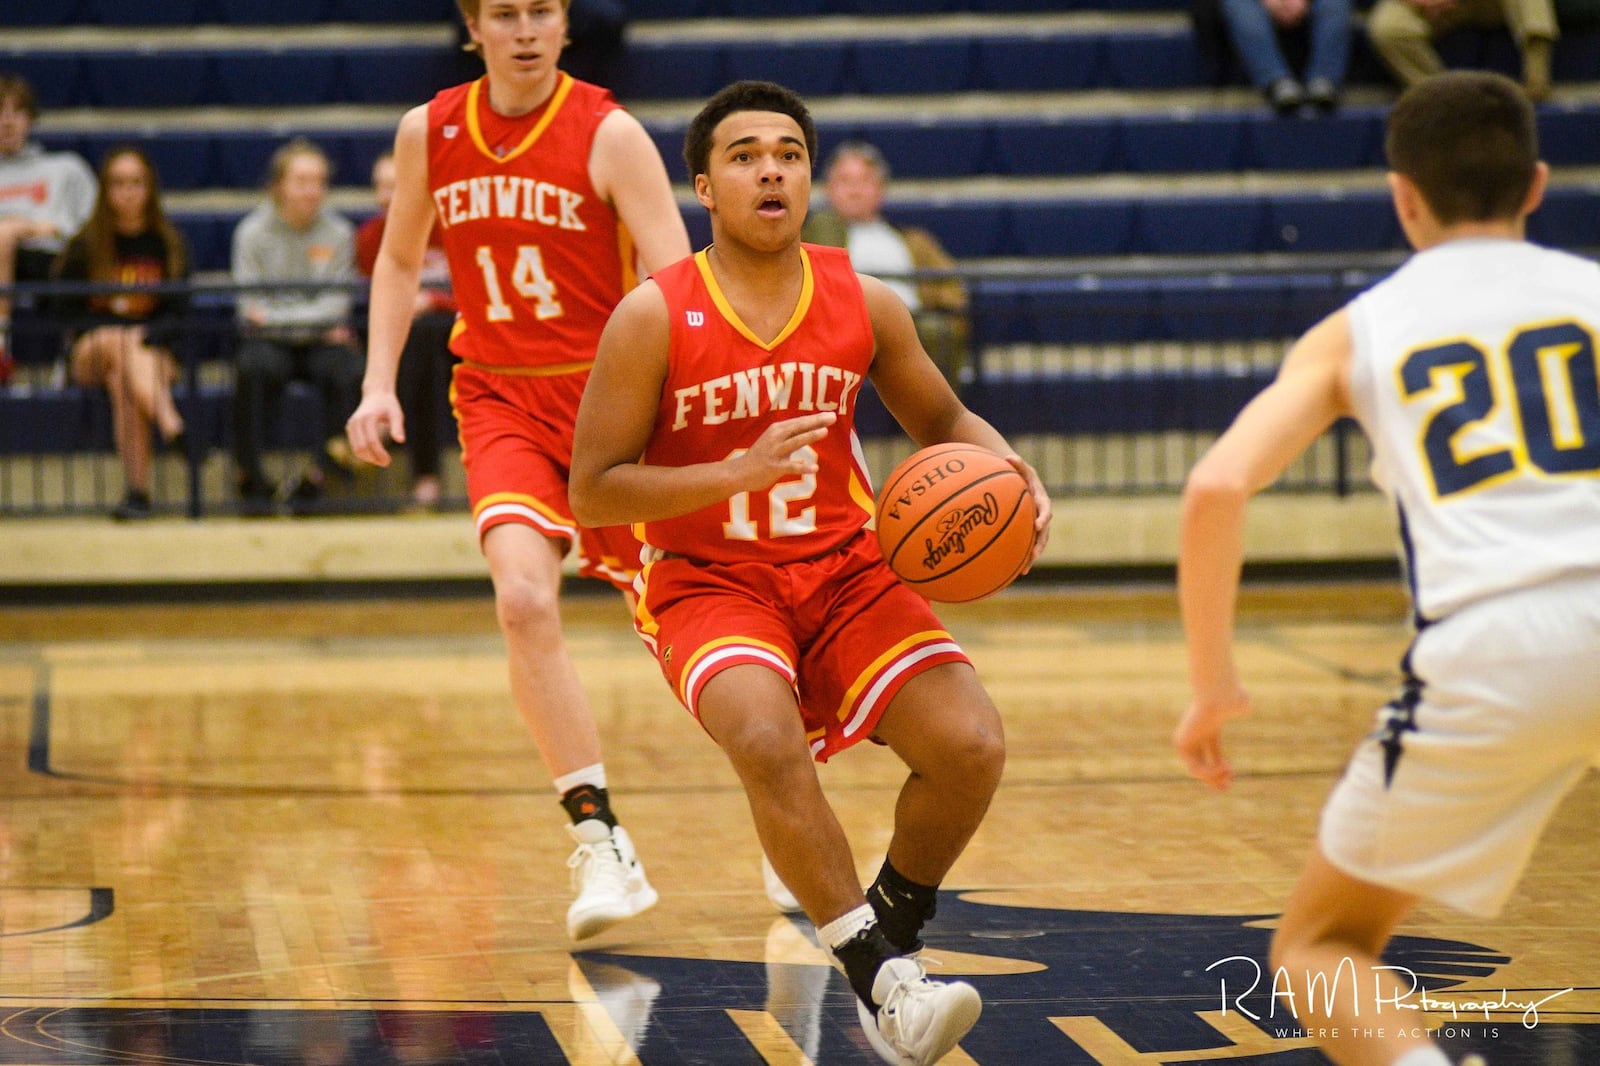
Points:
(144, 12)
(397, 75)
(1223, 307)
(1160, 59)
(56, 77)
(260, 78)
(667, 9)
(148, 79)
(1569, 134)
(242, 158)
(392, 11)
(1074, 227)
(915, 65)
(811, 68)
(763, 9)
(1577, 55)
(248, 12)
(1214, 225)
(1054, 145)
(968, 229)
(28, 13)
(1346, 140)
(928, 150)
(676, 70)
(210, 237)
(1569, 217)
(183, 159)
(357, 152)
(1331, 222)
(1038, 64)
(1182, 142)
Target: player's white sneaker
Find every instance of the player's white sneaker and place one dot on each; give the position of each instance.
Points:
(778, 893)
(608, 878)
(919, 1020)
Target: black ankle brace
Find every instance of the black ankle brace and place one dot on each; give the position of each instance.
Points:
(903, 907)
(586, 801)
(861, 956)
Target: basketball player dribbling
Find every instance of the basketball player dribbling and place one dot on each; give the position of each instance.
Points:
(549, 197)
(720, 416)
(1473, 372)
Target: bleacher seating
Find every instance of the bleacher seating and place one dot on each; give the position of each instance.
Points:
(1019, 130)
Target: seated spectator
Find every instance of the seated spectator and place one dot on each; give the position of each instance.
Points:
(1255, 28)
(44, 198)
(856, 179)
(1403, 31)
(122, 341)
(425, 363)
(289, 334)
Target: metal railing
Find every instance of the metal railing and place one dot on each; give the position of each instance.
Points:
(1112, 378)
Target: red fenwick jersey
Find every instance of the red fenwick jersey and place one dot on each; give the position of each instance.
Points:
(724, 387)
(537, 260)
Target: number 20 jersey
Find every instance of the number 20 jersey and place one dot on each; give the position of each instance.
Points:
(1474, 376)
(537, 259)
(725, 386)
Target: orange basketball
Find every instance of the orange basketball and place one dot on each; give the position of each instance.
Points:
(955, 522)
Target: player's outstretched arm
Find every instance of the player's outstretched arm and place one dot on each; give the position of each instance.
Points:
(396, 280)
(608, 485)
(1309, 394)
(921, 400)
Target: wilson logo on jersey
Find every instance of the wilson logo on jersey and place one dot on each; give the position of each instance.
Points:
(696, 319)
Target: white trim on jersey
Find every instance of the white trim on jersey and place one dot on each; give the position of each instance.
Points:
(691, 684)
(874, 692)
(529, 516)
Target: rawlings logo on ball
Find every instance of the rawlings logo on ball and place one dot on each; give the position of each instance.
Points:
(956, 525)
(955, 522)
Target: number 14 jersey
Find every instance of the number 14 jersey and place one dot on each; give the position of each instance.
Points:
(1474, 376)
(537, 259)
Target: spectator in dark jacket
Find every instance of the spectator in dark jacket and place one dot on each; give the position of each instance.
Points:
(122, 341)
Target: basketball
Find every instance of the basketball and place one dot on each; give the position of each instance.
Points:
(955, 522)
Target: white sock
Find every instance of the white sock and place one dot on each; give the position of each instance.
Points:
(589, 775)
(847, 925)
(1423, 1056)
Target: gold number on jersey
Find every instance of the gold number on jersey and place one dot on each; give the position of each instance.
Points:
(1555, 400)
(528, 279)
(781, 521)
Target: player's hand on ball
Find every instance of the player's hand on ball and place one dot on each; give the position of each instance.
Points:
(1041, 507)
(783, 450)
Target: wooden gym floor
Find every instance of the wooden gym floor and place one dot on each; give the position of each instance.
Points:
(315, 833)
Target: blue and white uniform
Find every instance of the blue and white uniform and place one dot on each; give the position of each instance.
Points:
(1475, 372)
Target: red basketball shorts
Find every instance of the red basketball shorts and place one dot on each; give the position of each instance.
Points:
(841, 629)
(516, 446)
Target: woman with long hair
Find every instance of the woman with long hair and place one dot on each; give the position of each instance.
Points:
(122, 340)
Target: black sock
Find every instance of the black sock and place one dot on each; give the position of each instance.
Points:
(586, 801)
(861, 956)
(903, 907)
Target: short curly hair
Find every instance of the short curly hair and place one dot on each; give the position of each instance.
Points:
(743, 96)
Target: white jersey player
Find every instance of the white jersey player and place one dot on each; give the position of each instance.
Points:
(1473, 370)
